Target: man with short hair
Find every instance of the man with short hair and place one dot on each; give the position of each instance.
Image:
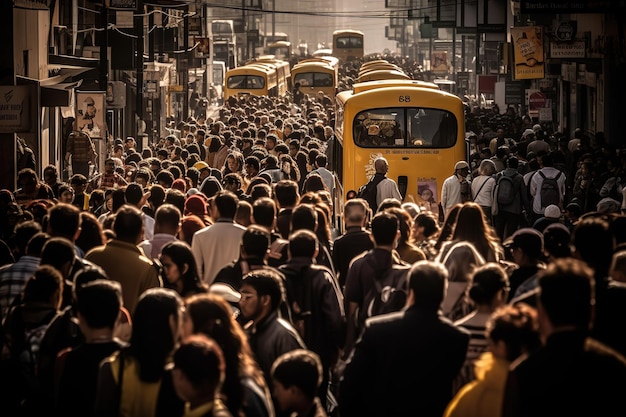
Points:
(387, 188)
(405, 363)
(456, 188)
(354, 241)
(217, 245)
(315, 301)
(572, 373)
(321, 162)
(123, 261)
(136, 197)
(535, 185)
(166, 228)
(365, 269)
(269, 335)
(97, 305)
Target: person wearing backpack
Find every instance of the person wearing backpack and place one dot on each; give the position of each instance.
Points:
(510, 200)
(547, 187)
(366, 269)
(405, 362)
(379, 186)
(315, 302)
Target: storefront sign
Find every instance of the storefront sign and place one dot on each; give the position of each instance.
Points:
(14, 109)
(528, 52)
(574, 49)
(565, 31)
(513, 92)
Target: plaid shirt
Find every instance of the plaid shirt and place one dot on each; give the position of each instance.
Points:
(13, 279)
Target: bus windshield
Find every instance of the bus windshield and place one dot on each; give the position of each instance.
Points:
(404, 127)
(314, 79)
(349, 42)
(246, 81)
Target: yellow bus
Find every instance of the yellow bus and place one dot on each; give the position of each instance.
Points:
(256, 80)
(377, 64)
(314, 75)
(382, 74)
(280, 49)
(283, 72)
(370, 85)
(348, 44)
(420, 130)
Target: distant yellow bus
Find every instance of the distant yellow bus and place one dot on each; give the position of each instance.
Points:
(317, 74)
(348, 44)
(382, 74)
(280, 49)
(256, 80)
(419, 130)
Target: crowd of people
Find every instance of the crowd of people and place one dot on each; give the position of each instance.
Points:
(207, 276)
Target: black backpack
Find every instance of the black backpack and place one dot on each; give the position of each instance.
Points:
(368, 191)
(389, 293)
(549, 193)
(299, 295)
(505, 189)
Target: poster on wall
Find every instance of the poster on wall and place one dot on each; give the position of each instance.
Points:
(528, 52)
(440, 62)
(90, 112)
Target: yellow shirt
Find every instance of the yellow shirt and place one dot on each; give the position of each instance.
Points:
(203, 409)
(138, 398)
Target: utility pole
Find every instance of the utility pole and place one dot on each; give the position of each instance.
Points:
(104, 47)
(187, 56)
(139, 61)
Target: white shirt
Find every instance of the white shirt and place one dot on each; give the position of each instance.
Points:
(535, 184)
(483, 194)
(450, 193)
(216, 246)
(387, 188)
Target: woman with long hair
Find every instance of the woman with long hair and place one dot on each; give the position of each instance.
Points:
(136, 380)
(91, 232)
(181, 273)
(244, 390)
(448, 226)
(472, 227)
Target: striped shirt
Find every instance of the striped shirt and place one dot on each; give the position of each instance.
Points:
(13, 278)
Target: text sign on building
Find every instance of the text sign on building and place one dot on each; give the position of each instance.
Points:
(14, 109)
(122, 4)
(574, 49)
(513, 92)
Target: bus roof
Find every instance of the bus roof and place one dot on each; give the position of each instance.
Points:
(383, 75)
(322, 52)
(371, 85)
(347, 32)
(250, 70)
(278, 44)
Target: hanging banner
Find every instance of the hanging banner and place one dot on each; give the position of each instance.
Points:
(15, 114)
(528, 51)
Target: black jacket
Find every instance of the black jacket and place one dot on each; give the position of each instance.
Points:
(403, 365)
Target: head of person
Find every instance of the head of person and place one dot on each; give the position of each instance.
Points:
(594, 243)
(264, 212)
(461, 168)
(224, 205)
(45, 286)
(188, 226)
(566, 296)
(98, 304)
(128, 224)
(78, 183)
(64, 221)
(255, 242)
(199, 369)
(304, 216)
(425, 226)
(156, 326)
(355, 212)
(381, 166)
(303, 243)
(27, 180)
(167, 219)
(489, 286)
(526, 246)
(286, 192)
(296, 378)
(512, 331)
(428, 283)
(23, 233)
(487, 167)
(59, 253)
(262, 292)
(180, 265)
(385, 230)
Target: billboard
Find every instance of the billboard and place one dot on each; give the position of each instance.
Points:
(90, 112)
(528, 52)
